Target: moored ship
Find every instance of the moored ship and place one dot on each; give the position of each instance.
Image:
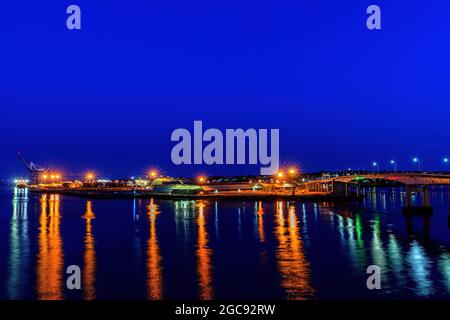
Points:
(21, 183)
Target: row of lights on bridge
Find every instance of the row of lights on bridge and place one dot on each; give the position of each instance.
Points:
(414, 160)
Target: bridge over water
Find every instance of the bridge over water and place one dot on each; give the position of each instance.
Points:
(350, 184)
(408, 179)
(404, 178)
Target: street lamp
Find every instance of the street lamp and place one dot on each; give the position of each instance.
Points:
(90, 177)
(394, 164)
(293, 174)
(417, 160)
(375, 164)
(278, 175)
(445, 160)
(201, 180)
(153, 174)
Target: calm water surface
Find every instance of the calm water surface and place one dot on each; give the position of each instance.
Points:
(154, 249)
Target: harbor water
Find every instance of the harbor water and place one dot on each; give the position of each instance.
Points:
(165, 249)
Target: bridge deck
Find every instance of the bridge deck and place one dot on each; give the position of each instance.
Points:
(404, 178)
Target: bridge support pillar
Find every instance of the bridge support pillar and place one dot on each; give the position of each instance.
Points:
(426, 196)
(425, 209)
(408, 196)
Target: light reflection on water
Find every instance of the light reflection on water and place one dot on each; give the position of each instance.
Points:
(419, 266)
(204, 256)
(19, 244)
(259, 210)
(226, 249)
(292, 264)
(49, 267)
(154, 265)
(89, 255)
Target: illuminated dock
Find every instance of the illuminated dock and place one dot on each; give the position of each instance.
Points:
(126, 193)
(287, 183)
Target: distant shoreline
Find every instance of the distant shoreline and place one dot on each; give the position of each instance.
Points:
(243, 195)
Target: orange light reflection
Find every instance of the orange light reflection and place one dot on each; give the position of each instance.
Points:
(50, 252)
(204, 257)
(154, 266)
(292, 263)
(89, 255)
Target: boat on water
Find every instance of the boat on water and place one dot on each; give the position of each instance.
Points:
(175, 186)
(21, 183)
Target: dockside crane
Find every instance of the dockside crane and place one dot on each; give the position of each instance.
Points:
(34, 170)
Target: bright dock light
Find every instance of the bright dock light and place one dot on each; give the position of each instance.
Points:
(201, 179)
(90, 176)
(153, 174)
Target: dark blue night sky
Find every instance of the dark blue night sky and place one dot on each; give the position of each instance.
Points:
(108, 97)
